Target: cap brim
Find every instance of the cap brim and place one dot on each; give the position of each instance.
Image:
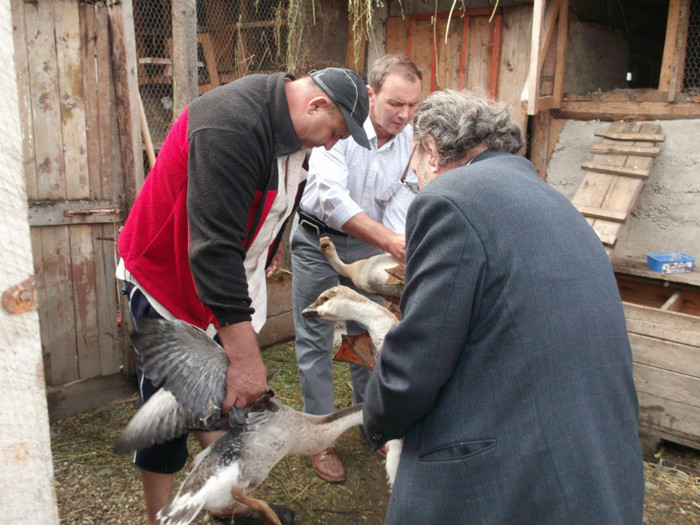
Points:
(356, 131)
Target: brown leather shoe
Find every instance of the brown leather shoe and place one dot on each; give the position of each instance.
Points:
(328, 467)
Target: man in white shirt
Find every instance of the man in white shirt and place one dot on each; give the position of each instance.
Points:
(354, 196)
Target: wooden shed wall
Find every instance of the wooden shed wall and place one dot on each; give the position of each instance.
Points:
(483, 54)
(80, 160)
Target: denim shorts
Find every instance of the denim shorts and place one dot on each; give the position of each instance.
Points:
(168, 457)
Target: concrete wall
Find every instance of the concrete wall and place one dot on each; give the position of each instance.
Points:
(666, 216)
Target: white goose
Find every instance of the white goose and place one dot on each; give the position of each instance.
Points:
(192, 370)
(372, 275)
(341, 303)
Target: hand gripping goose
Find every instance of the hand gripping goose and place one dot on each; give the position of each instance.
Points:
(341, 303)
(191, 368)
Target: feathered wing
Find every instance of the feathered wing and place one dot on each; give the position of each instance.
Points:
(185, 361)
(160, 419)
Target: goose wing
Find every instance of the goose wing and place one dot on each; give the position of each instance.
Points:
(185, 361)
(160, 419)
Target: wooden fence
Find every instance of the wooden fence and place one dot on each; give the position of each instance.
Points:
(76, 71)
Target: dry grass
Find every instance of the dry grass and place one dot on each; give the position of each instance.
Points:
(96, 486)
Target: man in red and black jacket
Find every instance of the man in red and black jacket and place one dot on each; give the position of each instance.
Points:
(205, 229)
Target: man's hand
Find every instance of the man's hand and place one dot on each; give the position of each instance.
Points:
(363, 227)
(276, 262)
(246, 377)
(396, 246)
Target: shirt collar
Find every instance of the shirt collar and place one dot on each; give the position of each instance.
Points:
(285, 139)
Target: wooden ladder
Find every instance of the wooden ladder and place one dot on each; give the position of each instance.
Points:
(615, 175)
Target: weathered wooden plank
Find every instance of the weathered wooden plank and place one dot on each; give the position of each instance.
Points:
(673, 62)
(621, 149)
(676, 419)
(607, 231)
(24, 96)
(607, 110)
(113, 354)
(600, 213)
(45, 103)
(665, 355)
(72, 106)
(638, 266)
(80, 396)
(111, 176)
(422, 51)
(58, 318)
(621, 171)
(82, 273)
(666, 326)
(54, 213)
(515, 56)
(88, 39)
(396, 35)
(646, 137)
(480, 46)
(670, 385)
(622, 195)
(123, 55)
(592, 190)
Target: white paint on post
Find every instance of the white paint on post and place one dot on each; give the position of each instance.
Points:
(27, 494)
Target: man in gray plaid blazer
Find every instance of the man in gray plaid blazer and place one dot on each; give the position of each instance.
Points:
(510, 376)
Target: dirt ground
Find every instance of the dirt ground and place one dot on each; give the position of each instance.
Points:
(96, 486)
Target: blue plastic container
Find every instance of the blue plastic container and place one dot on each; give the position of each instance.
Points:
(670, 262)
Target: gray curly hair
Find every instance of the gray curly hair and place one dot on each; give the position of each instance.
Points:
(460, 120)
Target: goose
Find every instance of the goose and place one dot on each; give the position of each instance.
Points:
(374, 275)
(341, 303)
(191, 368)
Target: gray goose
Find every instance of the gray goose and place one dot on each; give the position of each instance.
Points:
(191, 368)
(341, 303)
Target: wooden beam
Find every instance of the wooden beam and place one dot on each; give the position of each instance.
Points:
(648, 137)
(56, 213)
(184, 54)
(622, 149)
(673, 62)
(124, 64)
(533, 82)
(600, 213)
(615, 170)
(560, 61)
(626, 110)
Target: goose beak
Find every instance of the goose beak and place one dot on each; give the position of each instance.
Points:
(309, 311)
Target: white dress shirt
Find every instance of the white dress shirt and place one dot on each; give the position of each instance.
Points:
(335, 194)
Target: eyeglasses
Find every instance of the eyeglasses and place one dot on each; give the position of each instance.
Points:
(410, 186)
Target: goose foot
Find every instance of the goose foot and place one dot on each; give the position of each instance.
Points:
(268, 515)
(357, 349)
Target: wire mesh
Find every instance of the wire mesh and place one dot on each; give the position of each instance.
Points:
(691, 76)
(235, 38)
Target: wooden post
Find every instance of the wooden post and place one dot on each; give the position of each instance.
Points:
(124, 63)
(184, 54)
(28, 493)
(673, 64)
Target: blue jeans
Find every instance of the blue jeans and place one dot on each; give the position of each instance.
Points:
(312, 275)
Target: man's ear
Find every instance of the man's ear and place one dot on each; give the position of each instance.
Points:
(317, 103)
(430, 146)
